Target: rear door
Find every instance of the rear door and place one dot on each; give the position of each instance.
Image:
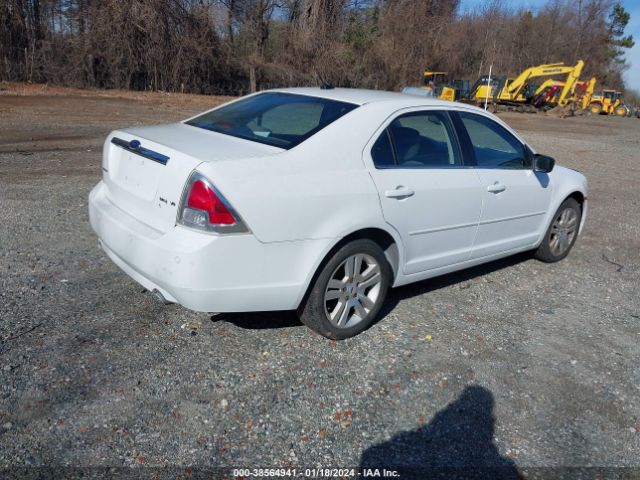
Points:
(515, 198)
(427, 193)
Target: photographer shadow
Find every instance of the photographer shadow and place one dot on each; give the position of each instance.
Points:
(456, 444)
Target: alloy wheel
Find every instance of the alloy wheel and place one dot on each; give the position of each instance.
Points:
(563, 231)
(353, 290)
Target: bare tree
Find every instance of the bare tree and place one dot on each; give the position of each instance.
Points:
(231, 46)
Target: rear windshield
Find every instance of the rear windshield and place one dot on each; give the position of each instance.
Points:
(280, 119)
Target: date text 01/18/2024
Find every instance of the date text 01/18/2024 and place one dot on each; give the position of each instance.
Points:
(315, 473)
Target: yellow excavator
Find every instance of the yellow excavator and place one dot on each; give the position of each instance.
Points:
(609, 103)
(520, 90)
(584, 93)
(548, 94)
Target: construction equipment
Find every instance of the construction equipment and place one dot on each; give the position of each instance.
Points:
(609, 103)
(549, 93)
(520, 90)
(444, 89)
(437, 82)
(521, 93)
(584, 92)
(546, 95)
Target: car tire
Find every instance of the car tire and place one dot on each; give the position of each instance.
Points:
(349, 291)
(562, 232)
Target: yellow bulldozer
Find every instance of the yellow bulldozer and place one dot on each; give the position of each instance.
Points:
(610, 102)
(439, 86)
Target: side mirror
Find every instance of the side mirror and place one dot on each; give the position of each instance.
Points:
(543, 163)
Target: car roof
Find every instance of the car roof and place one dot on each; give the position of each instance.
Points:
(393, 101)
(360, 96)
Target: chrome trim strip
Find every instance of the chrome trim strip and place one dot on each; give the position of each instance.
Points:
(442, 229)
(134, 147)
(515, 217)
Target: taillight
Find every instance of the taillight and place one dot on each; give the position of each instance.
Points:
(202, 198)
(203, 207)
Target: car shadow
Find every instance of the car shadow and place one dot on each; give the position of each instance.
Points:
(395, 295)
(456, 444)
(288, 319)
(260, 320)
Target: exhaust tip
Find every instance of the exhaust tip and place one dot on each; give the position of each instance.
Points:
(157, 294)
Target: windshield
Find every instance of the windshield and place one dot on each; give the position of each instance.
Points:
(279, 119)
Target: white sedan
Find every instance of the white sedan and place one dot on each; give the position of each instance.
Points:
(320, 200)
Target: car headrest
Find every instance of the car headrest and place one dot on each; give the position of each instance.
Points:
(404, 134)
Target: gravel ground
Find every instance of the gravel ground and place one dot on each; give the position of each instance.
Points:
(516, 365)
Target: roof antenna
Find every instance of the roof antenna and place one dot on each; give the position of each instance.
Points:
(324, 85)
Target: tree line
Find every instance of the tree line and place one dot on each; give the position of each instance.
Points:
(235, 46)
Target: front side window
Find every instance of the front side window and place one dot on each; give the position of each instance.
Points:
(493, 145)
(279, 119)
(417, 139)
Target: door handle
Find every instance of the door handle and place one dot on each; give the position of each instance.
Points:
(399, 192)
(497, 187)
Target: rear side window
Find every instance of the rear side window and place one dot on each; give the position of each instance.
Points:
(279, 119)
(417, 139)
(493, 145)
(382, 151)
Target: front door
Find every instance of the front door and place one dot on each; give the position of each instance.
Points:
(515, 198)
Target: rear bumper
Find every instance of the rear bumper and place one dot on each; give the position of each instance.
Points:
(205, 272)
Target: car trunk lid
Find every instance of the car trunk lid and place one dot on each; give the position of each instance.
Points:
(145, 169)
